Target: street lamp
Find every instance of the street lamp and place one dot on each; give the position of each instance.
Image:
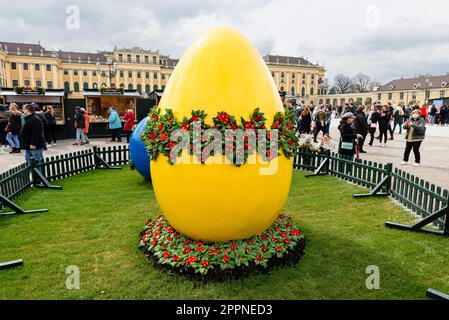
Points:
(111, 72)
(428, 86)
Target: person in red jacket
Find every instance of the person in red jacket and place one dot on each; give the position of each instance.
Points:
(424, 112)
(130, 119)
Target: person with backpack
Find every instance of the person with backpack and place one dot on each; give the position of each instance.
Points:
(80, 124)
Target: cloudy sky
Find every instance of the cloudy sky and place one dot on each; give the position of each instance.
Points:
(382, 38)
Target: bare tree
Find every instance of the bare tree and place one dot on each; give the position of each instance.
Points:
(342, 83)
(361, 82)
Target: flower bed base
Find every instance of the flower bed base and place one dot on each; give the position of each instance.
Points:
(281, 244)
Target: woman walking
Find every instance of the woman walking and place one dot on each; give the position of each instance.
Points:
(347, 135)
(398, 117)
(416, 131)
(50, 127)
(306, 121)
(13, 128)
(384, 124)
(373, 119)
(115, 125)
(130, 119)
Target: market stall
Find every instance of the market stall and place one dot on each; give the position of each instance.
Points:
(40, 96)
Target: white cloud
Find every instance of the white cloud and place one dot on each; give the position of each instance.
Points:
(384, 39)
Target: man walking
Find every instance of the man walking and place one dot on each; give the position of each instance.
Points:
(32, 135)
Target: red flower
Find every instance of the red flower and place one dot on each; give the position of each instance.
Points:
(247, 250)
(275, 240)
(291, 141)
(259, 257)
(282, 233)
(148, 222)
(176, 235)
(213, 252)
(163, 136)
(275, 126)
(154, 116)
(233, 246)
(186, 241)
(257, 118)
(161, 127)
(295, 233)
(226, 258)
(171, 144)
(199, 249)
(166, 254)
(249, 125)
(251, 242)
(234, 126)
(287, 240)
(195, 118)
(148, 232)
(264, 248)
(152, 136)
(187, 249)
(223, 118)
(185, 126)
(169, 229)
(175, 259)
(278, 249)
(198, 243)
(205, 263)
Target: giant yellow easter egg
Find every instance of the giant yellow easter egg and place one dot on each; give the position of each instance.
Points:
(221, 71)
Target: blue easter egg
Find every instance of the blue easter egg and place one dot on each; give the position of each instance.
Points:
(137, 151)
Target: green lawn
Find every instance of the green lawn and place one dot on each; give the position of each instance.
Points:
(94, 223)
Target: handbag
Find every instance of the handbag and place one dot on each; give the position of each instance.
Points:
(347, 145)
(373, 125)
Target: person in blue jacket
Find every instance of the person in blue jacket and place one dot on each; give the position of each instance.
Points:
(115, 125)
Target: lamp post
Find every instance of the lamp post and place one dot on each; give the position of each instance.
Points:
(427, 91)
(111, 72)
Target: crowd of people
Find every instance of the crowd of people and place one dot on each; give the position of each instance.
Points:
(362, 125)
(32, 128)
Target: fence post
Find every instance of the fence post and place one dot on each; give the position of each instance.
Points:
(37, 177)
(384, 183)
(100, 163)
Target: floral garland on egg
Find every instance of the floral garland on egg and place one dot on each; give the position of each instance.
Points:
(159, 127)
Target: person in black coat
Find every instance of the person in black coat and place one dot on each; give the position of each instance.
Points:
(347, 135)
(361, 127)
(32, 135)
(384, 124)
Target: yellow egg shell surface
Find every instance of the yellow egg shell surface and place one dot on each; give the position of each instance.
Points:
(221, 71)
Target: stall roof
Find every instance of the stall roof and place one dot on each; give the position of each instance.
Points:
(97, 93)
(158, 93)
(48, 93)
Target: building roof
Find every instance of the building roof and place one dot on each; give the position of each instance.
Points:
(416, 83)
(171, 63)
(23, 48)
(83, 56)
(275, 59)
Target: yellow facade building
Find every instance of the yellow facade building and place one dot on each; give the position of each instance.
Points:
(24, 64)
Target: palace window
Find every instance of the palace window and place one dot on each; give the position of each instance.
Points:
(155, 75)
(120, 57)
(311, 91)
(138, 58)
(162, 76)
(303, 92)
(121, 74)
(147, 88)
(26, 82)
(147, 75)
(130, 74)
(13, 65)
(15, 83)
(139, 88)
(155, 87)
(313, 76)
(163, 87)
(25, 66)
(401, 96)
(146, 59)
(122, 85)
(390, 96)
(413, 95)
(85, 85)
(128, 57)
(138, 74)
(94, 73)
(76, 86)
(293, 91)
(130, 86)
(37, 67)
(75, 72)
(48, 67)
(38, 83)
(154, 59)
(304, 76)
(379, 96)
(85, 73)
(272, 74)
(66, 72)
(442, 93)
(66, 86)
(95, 85)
